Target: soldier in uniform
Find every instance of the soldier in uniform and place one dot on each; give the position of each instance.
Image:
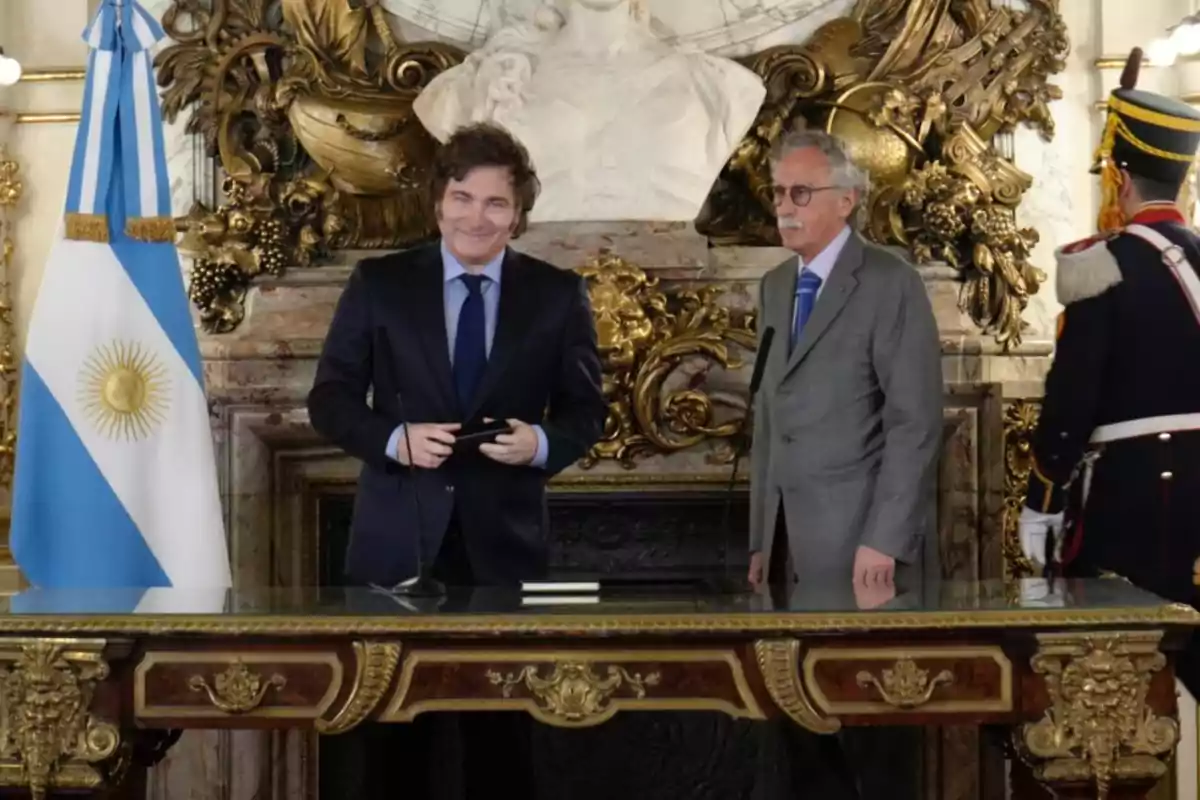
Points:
(1117, 447)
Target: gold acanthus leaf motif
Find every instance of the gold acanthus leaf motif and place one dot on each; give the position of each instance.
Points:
(779, 665)
(573, 694)
(917, 89)
(309, 113)
(237, 690)
(1020, 422)
(904, 684)
(45, 723)
(375, 665)
(1098, 725)
(648, 338)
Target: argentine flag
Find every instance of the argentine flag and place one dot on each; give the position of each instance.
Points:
(116, 481)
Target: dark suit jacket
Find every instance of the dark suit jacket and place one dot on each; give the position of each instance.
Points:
(544, 367)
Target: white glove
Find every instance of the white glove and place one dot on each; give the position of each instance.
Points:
(1040, 593)
(1033, 527)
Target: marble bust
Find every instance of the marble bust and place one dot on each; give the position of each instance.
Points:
(621, 125)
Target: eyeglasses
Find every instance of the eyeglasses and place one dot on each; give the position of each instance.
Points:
(801, 195)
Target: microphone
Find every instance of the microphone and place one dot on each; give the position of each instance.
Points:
(743, 438)
(423, 584)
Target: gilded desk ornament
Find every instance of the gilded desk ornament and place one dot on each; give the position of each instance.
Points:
(646, 334)
(779, 664)
(49, 738)
(573, 695)
(1098, 726)
(917, 89)
(237, 690)
(904, 684)
(1020, 422)
(375, 665)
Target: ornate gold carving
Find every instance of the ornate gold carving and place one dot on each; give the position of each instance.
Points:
(779, 663)
(918, 88)
(997, 699)
(1098, 726)
(904, 684)
(608, 624)
(309, 111)
(375, 665)
(645, 335)
(237, 690)
(1020, 421)
(11, 191)
(573, 694)
(433, 663)
(48, 736)
(155, 699)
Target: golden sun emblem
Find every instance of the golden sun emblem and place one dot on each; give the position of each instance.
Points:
(124, 390)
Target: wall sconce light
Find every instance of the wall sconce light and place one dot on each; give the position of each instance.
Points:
(10, 69)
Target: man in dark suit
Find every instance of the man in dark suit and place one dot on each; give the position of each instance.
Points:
(450, 335)
(445, 337)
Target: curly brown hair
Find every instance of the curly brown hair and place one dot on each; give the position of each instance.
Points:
(486, 145)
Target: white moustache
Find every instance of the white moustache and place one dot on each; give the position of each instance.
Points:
(791, 224)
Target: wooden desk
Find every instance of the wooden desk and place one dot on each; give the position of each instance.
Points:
(95, 684)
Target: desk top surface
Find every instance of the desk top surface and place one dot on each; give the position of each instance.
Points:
(649, 610)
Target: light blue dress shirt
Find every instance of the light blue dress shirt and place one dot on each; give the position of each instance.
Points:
(454, 294)
(822, 265)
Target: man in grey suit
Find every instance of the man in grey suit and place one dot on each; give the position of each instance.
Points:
(848, 419)
(848, 426)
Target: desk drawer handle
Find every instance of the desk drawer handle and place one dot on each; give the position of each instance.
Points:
(237, 690)
(905, 685)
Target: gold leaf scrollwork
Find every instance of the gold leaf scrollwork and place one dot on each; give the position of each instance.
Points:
(904, 684)
(237, 690)
(573, 694)
(1099, 725)
(375, 665)
(48, 735)
(1020, 422)
(917, 89)
(779, 664)
(309, 112)
(11, 190)
(657, 347)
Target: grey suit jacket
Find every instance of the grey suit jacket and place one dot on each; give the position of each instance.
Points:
(847, 429)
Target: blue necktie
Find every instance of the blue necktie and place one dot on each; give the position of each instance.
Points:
(806, 295)
(470, 343)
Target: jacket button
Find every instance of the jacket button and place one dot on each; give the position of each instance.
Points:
(1166, 476)
(450, 489)
(788, 439)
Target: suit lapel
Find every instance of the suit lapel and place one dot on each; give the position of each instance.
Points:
(518, 309)
(830, 303)
(428, 308)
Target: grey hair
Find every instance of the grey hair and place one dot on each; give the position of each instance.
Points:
(843, 172)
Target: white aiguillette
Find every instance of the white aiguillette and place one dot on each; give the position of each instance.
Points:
(560, 587)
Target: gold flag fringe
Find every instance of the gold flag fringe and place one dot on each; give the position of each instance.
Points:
(151, 229)
(87, 227)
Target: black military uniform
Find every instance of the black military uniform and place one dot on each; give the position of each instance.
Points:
(1118, 442)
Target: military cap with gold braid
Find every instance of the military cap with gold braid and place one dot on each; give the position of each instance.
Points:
(1146, 134)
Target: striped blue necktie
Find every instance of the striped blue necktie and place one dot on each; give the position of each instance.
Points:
(806, 296)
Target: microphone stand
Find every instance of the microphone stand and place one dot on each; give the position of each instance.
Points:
(744, 438)
(423, 584)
